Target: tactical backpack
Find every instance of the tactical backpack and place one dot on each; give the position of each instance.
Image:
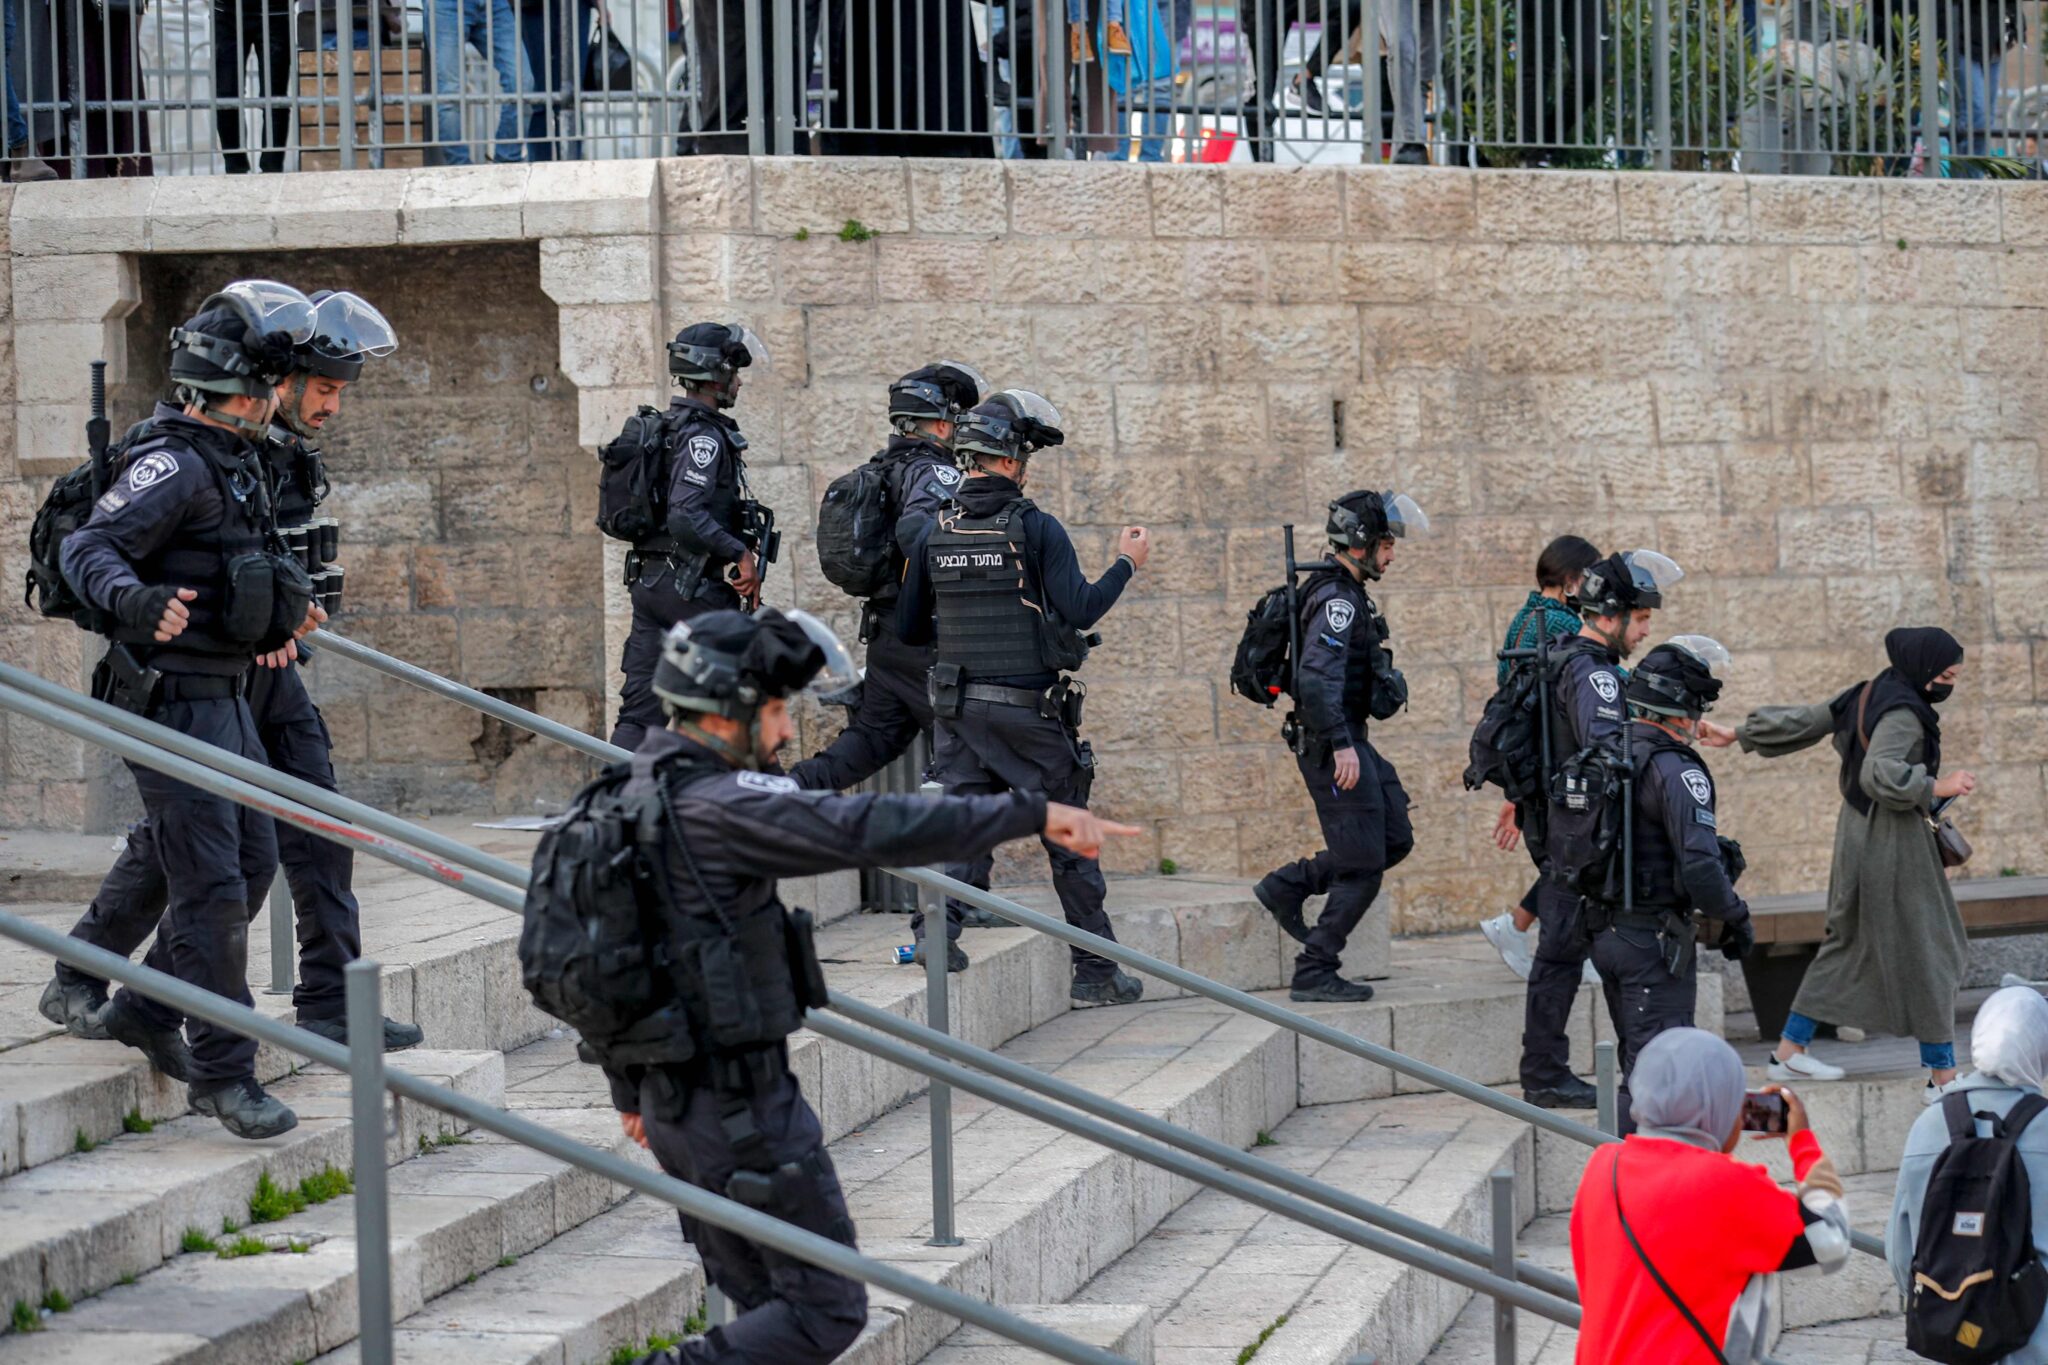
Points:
(593, 949)
(1978, 1288)
(1506, 749)
(633, 478)
(67, 507)
(1588, 816)
(1263, 669)
(857, 529)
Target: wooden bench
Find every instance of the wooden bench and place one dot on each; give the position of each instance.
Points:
(1789, 931)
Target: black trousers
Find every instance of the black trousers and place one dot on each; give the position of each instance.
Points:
(1554, 980)
(320, 872)
(721, 68)
(788, 1311)
(1264, 24)
(265, 25)
(1559, 69)
(1365, 832)
(218, 859)
(657, 606)
(895, 706)
(1643, 997)
(995, 747)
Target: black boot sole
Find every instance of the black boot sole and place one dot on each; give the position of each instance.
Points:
(202, 1104)
(1323, 995)
(1289, 920)
(160, 1048)
(1552, 1099)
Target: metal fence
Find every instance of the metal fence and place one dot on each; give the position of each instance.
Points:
(177, 87)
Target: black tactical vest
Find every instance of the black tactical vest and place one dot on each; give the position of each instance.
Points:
(1366, 633)
(299, 476)
(696, 427)
(199, 559)
(988, 621)
(1657, 883)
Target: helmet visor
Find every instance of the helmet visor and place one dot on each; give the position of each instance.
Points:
(1652, 571)
(839, 673)
(758, 359)
(1404, 516)
(1031, 405)
(1709, 651)
(976, 377)
(345, 325)
(268, 306)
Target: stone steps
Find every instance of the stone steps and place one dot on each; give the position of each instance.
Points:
(1124, 1328)
(81, 1224)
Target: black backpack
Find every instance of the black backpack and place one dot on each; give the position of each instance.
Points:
(856, 530)
(1978, 1289)
(633, 478)
(1263, 669)
(593, 949)
(1587, 818)
(1506, 749)
(67, 507)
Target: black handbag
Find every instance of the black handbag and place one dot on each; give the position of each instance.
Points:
(606, 65)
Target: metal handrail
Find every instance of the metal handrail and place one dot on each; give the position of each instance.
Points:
(698, 1203)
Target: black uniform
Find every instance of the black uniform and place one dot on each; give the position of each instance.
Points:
(1587, 709)
(1366, 829)
(295, 742)
(1646, 955)
(744, 830)
(894, 702)
(681, 574)
(194, 498)
(1006, 720)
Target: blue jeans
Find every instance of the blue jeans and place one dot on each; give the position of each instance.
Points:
(490, 25)
(17, 126)
(555, 60)
(1156, 125)
(1799, 1031)
(1978, 112)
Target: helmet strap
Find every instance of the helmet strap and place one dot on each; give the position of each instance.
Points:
(289, 407)
(206, 403)
(1613, 642)
(723, 749)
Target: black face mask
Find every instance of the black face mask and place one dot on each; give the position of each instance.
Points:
(1937, 693)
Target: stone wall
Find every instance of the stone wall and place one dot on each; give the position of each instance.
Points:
(1821, 397)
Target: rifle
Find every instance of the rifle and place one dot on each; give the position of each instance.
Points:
(96, 430)
(1290, 729)
(757, 531)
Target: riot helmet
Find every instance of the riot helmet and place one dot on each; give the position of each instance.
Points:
(240, 342)
(713, 354)
(1013, 425)
(346, 332)
(936, 393)
(1626, 581)
(1360, 520)
(727, 663)
(1678, 677)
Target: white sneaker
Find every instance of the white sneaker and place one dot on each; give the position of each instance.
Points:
(1591, 975)
(1803, 1066)
(1930, 1093)
(1518, 950)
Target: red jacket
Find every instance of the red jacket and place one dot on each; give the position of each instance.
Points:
(1707, 1222)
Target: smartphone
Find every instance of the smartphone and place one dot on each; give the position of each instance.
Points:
(1763, 1112)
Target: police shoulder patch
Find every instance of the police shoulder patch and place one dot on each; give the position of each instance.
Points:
(151, 469)
(946, 474)
(1604, 683)
(703, 450)
(1696, 782)
(1341, 614)
(768, 782)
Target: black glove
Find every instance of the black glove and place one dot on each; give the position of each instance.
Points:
(1738, 939)
(142, 607)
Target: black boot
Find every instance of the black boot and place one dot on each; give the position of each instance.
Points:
(1283, 905)
(1326, 987)
(74, 1006)
(974, 917)
(397, 1037)
(1570, 1093)
(165, 1048)
(244, 1109)
(956, 960)
(1119, 989)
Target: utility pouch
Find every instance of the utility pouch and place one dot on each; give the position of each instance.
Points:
(121, 680)
(1084, 770)
(1675, 942)
(690, 574)
(947, 690)
(251, 597)
(732, 1016)
(1068, 698)
(805, 973)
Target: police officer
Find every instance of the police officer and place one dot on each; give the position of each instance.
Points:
(1614, 602)
(892, 705)
(347, 331)
(1345, 680)
(1011, 604)
(731, 1118)
(1683, 888)
(706, 557)
(181, 557)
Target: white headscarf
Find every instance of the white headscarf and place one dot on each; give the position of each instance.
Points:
(2010, 1038)
(1687, 1084)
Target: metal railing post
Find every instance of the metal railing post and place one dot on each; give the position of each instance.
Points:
(789, 61)
(1604, 1082)
(717, 1308)
(1660, 78)
(1375, 120)
(1502, 1186)
(1930, 93)
(345, 60)
(284, 938)
(366, 1113)
(938, 947)
(1052, 113)
(757, 116)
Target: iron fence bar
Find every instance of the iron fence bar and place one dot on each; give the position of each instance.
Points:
(1505, 1224)
(372, 1180)
(273, 782)
(261, 801)
(701, 1204)
(358, 652)
(1178, 1163)
(1209, 1149)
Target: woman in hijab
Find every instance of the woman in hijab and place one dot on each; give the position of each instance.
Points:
(1670, 1196)
(2009, 1048)
(1894, 949)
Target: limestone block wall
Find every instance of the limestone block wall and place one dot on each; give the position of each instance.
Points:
(1822, 397)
